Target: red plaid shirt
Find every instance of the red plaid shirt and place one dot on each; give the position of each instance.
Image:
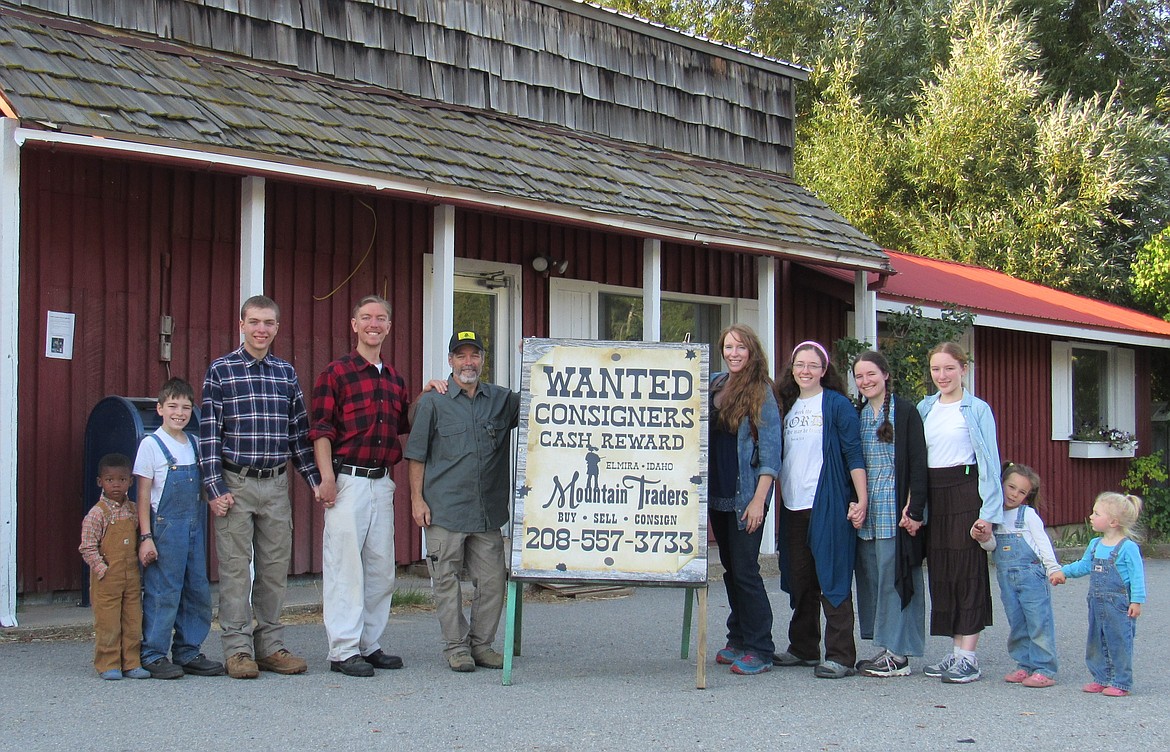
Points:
(361, 411)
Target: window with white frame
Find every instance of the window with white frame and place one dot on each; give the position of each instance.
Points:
(1092, 386)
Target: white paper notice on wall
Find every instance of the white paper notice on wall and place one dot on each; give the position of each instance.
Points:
(59, 335)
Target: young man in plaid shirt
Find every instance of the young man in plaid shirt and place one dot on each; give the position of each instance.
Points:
(253, 421)
(359, 409)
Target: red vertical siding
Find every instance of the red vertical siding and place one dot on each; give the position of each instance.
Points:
(117, 244)
(326, 250)
(1014, 375)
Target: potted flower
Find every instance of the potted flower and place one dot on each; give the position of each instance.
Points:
(1101, 442)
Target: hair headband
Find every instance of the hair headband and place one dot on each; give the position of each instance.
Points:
(809, 343)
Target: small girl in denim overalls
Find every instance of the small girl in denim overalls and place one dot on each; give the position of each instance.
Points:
(1117, 590)
(1024, 562)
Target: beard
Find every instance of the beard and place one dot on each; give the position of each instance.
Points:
(467, 376)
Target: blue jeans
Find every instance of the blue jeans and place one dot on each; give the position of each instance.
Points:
(176, 599)
(749, 625)
(880, 615)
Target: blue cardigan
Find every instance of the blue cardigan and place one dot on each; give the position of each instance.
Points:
(831, 536)
(981, 429)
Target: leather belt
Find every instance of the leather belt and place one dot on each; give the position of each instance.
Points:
(254, 472)
(359, 471)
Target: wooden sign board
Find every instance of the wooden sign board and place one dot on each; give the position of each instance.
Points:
(611, 477)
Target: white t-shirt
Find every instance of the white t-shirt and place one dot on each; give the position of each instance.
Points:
(800, 469)
(1034, 535)
(948, 443)
(151, 463)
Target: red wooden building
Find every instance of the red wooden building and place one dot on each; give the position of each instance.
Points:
(1046, 361)
(527, 167)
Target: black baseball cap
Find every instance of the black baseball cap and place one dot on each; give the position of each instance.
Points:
(465, 337)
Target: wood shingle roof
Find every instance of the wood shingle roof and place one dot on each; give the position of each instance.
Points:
(83, 79)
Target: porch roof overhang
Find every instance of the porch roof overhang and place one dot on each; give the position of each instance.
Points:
(76, 86)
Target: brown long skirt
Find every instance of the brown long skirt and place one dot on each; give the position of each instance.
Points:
(960, 587)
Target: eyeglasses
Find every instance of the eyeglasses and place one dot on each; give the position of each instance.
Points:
(802, 365)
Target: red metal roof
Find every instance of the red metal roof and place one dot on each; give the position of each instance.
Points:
(933, 282)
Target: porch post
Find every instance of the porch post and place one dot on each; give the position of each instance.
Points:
(652, 290)
(9, 313)
(766, 298)
(865, 309)
(251, 238)
(443, 302)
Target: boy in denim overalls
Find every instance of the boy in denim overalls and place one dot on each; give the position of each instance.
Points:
(176, 602)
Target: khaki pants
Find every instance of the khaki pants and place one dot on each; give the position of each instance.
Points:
(117, 601)
(483, 553)
(259, 522)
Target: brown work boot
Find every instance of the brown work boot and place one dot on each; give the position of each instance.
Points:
(461, 661)
(241, 666)
(283, 662)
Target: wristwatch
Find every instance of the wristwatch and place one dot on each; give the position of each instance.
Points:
(145, 536)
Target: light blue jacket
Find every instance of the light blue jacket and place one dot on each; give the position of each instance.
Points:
(981, 427)
(770, 438)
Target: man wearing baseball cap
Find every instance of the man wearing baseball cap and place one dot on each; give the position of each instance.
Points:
(459, 487)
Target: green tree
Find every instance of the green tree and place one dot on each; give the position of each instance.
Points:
(1151, 274)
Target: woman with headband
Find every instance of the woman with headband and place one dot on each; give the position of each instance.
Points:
(822, 481)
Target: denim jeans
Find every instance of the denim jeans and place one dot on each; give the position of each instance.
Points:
(176, 601)
(749, 625)
(879, 606)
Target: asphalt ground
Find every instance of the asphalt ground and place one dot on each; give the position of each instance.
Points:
(595, 674)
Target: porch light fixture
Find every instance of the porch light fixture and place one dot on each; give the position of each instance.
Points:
(547, 265)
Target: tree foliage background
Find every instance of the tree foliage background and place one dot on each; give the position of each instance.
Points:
(1029, 136)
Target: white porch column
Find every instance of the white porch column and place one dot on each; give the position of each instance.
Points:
(767, 270)
(865, 309)
(251, 238)
(9, 312)
(652, 290)
(443, 301)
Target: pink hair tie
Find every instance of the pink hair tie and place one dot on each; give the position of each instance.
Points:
(808, 342)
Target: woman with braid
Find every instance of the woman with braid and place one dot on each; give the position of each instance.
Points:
(891, 603)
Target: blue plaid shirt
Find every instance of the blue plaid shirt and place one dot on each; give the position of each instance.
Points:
(254, 415)
(882, 516)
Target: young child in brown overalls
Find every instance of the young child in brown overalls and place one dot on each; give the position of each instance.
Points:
(109, 545)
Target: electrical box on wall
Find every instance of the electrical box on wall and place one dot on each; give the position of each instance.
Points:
(166, 328)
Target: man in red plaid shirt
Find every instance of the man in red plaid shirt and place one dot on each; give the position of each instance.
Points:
(360, 406)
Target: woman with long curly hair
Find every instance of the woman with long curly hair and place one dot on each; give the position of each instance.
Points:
(743, 462)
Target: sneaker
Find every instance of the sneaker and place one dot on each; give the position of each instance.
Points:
(283, 662)
(354, 665)
(461, 662)
(750, 665)
(886, 665)
(161, 668)
(241, 666)
(137, 673)
(833, 670)
(936, 670)
(201, 665)
(113, 674)
(1093, 688)
(728, 656)
(1038, 681)
(378, 659)
(488, 658)
(963, 671)
(788, 659)
(1017, 676)
(1115, 692)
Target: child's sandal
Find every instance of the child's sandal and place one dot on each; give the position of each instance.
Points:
(1038, 681)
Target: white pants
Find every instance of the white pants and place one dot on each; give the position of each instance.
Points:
(358, 567)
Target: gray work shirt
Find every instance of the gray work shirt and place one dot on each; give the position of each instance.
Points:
(464, 444)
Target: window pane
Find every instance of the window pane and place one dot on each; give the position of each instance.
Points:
(1089, 388)
(621, 317)
(621, 320)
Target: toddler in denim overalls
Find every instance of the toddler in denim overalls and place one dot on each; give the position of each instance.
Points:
(1024, 560)
(1117, 590)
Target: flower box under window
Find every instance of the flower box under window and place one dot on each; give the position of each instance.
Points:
(1095, 450)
